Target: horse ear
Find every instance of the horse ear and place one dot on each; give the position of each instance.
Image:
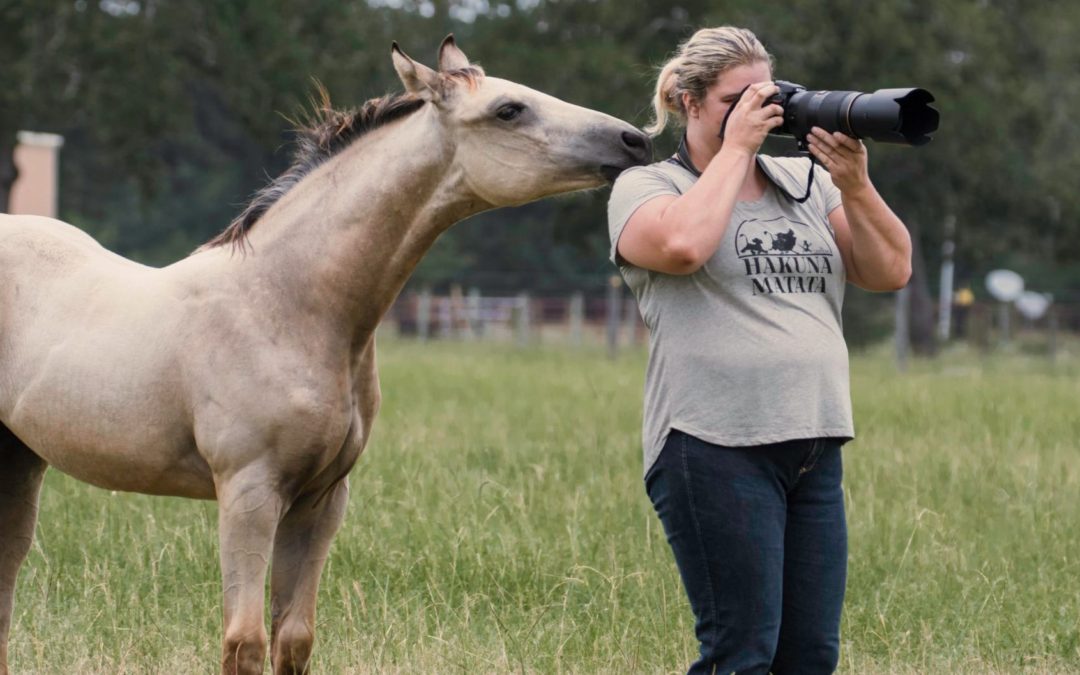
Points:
(450, 56)
(418, 79)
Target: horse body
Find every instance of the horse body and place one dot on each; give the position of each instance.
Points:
(153, 407)
(250, 377)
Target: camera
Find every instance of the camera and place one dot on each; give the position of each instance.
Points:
(901, 116)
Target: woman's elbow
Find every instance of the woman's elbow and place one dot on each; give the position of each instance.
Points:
(903, 277)
(901, 274)
(682, 257)
(896, 280)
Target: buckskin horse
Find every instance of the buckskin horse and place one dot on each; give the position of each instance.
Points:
(246, 372)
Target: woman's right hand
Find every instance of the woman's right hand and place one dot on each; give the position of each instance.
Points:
(752, 119)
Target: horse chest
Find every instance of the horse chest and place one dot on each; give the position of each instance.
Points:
(317, 471)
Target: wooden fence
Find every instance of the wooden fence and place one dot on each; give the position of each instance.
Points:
(572, 319)
(612, 319)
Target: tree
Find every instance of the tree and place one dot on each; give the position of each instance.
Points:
(175, 112)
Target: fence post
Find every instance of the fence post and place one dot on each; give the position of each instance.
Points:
(472, 308)
(630, 319)
(577, 317)
(903, 330)
(458, 319)
(981, 322)
(1004, 312)
(521, 322)
(446, 315)
(945, 293)
(614, 296)
(1052, 341)
(423, 314)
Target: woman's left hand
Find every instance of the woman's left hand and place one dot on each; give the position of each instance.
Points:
(844, 158)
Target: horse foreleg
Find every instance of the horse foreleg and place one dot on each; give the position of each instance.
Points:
(20, 482)
(248, 516)
(301, 547)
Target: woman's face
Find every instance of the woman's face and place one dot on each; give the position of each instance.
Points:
(724, 93)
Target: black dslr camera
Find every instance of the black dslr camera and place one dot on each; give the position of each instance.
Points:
(888, 115)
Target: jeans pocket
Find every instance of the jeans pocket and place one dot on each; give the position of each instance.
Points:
(816, 448)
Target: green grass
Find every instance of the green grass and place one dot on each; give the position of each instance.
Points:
(498, 524)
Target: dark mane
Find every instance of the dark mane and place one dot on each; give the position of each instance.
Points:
(323, 134)
(318, 138)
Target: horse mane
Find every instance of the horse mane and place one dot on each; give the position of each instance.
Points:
(319, 135)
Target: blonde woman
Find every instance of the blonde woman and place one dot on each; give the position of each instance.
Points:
(747, 399)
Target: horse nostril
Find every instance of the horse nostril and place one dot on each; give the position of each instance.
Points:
(639, 144)
(633, 140)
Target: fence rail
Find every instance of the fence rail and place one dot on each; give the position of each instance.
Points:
(523, 318)
(612, 318)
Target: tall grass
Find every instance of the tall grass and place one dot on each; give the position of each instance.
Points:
(498, 524)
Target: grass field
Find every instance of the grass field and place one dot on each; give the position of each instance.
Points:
(498, 524)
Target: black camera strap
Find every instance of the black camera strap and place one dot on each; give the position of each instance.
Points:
(682, 158)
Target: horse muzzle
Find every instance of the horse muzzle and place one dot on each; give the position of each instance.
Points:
(636, 150)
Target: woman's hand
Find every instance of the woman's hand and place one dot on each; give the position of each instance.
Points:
(751, 120)
(873, 242)
(844, 157)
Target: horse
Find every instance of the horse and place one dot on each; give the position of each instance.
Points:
(246, 371)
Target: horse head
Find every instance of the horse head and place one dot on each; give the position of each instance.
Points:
(514, 144)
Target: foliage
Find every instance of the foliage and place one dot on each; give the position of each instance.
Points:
(175, 111)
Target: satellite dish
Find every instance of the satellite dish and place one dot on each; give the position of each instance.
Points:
(1004, 285)
(1033, 305)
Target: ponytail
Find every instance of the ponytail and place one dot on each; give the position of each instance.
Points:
(697, 65)
(666, 99)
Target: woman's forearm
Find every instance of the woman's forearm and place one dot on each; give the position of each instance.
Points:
(880, 243)
(698, 219)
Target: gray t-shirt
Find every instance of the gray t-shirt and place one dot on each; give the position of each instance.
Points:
(748, 349)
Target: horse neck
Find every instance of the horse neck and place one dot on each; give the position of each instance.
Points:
(342, 243)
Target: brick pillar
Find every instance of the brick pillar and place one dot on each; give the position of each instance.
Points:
(36, 190)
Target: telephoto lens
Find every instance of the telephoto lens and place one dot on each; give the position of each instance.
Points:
(901, 116)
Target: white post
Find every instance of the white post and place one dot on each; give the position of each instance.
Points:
(472, 303)
(946, 292)
(522, 323)
(423, 314)
(577, 318)
(1004, 311)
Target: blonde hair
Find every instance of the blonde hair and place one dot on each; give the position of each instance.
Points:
(698, 64)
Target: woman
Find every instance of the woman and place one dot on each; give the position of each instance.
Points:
(747, 397)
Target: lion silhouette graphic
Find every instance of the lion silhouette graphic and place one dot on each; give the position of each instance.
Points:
(753, 247)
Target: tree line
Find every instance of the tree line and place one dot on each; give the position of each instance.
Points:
(175, 112)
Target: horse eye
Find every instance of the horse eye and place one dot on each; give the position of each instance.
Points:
(509, 111)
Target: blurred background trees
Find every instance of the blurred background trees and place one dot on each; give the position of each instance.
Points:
(176, 111)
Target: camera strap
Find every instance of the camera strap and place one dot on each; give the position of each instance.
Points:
(682, 158)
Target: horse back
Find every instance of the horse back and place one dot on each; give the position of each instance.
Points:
(50, 272)
(38, 253)
(49, 246)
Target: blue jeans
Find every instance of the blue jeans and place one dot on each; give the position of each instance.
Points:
(760, 540)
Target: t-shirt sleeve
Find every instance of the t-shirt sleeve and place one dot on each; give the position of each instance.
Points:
(633, 188)
(830, 194)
